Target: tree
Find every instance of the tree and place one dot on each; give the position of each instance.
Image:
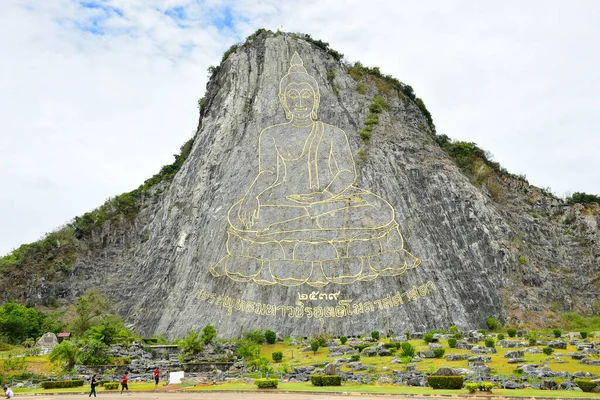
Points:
(94, 352)
(89, 307)
(191, 344)
(375, 335)
(407, 350)
(248, 349)
(67, 352)
(255, 335)
(18, 322)
(209, 333)
(270, 336)
(493, 324)
(277, 356)
(314, 345)
(109, 331)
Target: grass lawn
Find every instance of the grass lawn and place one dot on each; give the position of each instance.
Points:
(499, 363)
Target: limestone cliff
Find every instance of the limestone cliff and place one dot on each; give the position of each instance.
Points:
(491, 246)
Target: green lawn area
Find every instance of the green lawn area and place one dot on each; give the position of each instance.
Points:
(499, 363)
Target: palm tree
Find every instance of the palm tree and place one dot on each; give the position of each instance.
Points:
(66, 352)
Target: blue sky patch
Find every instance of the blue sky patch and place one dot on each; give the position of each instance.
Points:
(95, 24)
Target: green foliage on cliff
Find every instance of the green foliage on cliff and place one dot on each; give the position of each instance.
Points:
(377, 107)
(583, 198)
(388, 84)
(320, 44)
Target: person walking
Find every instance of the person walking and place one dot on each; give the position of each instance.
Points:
(156, 374)
(93, 384)
(124, 384)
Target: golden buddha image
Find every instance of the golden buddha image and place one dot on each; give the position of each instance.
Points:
(302, 220)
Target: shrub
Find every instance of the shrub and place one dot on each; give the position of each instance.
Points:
(316, 380)
(557, 333)
(518, 371)
(277, 356)
(266, 383)
(512, 332)
(326, 380)
(532, 340)
(191, 344)
(62, 384)
(493, 324)
(209, 333)
(438, 353)
(428, 337)
(487, 386)
(255, 335)
(343, 339)
(270, 336)
(111, 385)
(453, 329)
(407, 334)
(355, 357)
(361, 346)
(314, 345)
(501, 336)
(585, 385)
(332, 380)
(548, 350)
(445, 382)
(583, 198)
(408, 350)
(472, 387)
(482, 331)
(583, 334)
(489, 342)
(452, 343)
(375, 335)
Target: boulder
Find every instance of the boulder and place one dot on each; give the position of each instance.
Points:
(516, 360)
(426, 354)
(456, 357)
(369, 352)
(444, 371)
(548, 384)
(558, 344)
(514, 354)
(462, 345)
(481, 359)
(330, 369)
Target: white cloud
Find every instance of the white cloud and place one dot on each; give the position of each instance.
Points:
(85, 116)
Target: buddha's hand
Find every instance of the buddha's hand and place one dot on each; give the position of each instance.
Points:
(249, 212)
(311, 198)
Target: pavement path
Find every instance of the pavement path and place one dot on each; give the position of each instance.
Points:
(219, 396)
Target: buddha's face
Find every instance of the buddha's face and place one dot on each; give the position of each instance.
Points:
(300, 99)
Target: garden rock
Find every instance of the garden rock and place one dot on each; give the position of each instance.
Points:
(514, 354)
(462, 345)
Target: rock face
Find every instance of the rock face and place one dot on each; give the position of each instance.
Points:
(350, 234)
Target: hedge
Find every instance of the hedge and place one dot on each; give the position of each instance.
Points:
(326, 380)
(102, 382)
(266, 383)
(111, 385)
(62, 384)
(585, 385)
(445, 382)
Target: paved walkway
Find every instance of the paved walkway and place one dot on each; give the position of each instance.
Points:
(217, 396)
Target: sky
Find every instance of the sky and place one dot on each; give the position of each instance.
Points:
(97, 95)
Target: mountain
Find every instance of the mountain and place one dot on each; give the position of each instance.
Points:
(316, 196)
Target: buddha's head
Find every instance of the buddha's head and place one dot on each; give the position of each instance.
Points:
(299, 92)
